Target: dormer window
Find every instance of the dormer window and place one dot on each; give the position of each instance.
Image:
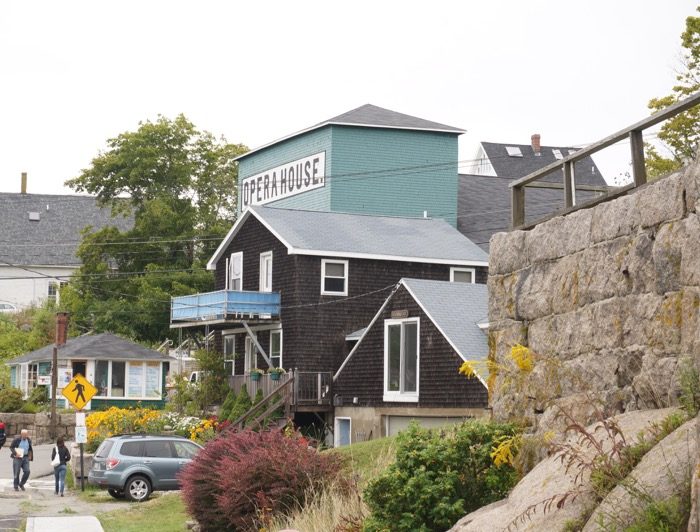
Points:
(462, 275)
(557, 154)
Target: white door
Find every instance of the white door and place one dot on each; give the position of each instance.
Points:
(251, 354)
(343, 427)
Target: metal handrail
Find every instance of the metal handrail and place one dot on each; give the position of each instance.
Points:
(634, 132)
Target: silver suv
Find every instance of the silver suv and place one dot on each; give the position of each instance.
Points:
(134, 465)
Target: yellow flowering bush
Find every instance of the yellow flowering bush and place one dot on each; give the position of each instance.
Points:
(205, 430)
(106, 423)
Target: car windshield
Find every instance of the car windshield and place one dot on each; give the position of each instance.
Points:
(104, 449)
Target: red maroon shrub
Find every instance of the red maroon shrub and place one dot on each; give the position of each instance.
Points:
(240, 477)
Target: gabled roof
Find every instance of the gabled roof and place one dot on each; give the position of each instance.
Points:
(332, 234)
(483, 206)
(53, 239)
(369, 115)
(456, 309)
(505, 165)
(104, 346)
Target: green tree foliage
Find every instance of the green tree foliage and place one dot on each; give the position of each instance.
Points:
(439, 476)
(179, 184)
(213, 386)
(681, 133)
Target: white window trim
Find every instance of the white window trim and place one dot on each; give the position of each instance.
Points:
(261, 283)
(336, 432)
(393, 396)
(275, 331)
(232, 355)
(323, 276)
(471, 270)
(250, 354)
(126, 396)
(230, 272)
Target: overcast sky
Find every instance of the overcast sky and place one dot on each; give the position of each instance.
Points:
(74, 74)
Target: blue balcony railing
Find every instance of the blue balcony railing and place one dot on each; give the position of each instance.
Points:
(223, 304)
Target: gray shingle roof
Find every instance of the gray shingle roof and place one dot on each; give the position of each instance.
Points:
(483, 206)
(456, 309)
(54, 238)
(90, 347)
(368, 115)
(362, 236)
(587, 173)
(371, 115)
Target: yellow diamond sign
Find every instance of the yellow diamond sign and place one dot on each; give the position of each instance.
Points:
(79, 391)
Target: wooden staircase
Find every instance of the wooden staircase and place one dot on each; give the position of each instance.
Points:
(256, 417)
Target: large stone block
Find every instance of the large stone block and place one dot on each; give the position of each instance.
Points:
(600, 276)
(657, 384)
(507, 252)
(502, 296)
(652, 320)
(563, 284)
(615, 218)
(533, 292)
(661, 201)
(690, 259)
(690, 322)
(667, 257)
(560, 236)
(634, 258)
(691, 184)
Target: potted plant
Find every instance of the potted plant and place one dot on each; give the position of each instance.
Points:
(275, 373)
(255, 374)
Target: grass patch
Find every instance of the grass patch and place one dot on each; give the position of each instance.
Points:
(167, 511)
(67, 510)
(367, 456)
(339, 507)
(25, 507)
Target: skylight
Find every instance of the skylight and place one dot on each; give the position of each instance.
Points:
(557, 154)
(514, 151)
(571, 152)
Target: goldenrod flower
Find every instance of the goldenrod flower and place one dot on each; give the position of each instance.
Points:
(467, 369)
(522, 356)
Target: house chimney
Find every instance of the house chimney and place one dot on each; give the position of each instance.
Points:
(24, 183)
(61, 328)
(535, 140)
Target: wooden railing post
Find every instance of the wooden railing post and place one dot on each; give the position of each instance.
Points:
(517, 198)
(569, 192)
(639, 171)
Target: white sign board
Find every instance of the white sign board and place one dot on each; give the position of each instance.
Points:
(80, 419)
(43, 380)
(80, 434)
(283, 181)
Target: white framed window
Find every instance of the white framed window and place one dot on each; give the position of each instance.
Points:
(462, 275)
(342, 435)
(135, 380)
(334, 277)
(266, 271)
(276, 348)
(401, 359)
(230, 354)
(236, 271)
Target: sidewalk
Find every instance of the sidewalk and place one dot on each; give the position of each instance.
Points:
(69, 523)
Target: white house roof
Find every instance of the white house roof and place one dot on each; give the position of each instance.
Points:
(332, 234)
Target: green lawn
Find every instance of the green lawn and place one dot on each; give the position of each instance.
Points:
(369, 457)
(164, 512)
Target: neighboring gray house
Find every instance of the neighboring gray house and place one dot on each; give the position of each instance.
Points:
(484, 193)
(405, 363)
(40, 234)
(123, 372)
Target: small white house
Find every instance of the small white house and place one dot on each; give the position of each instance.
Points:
(123, 372)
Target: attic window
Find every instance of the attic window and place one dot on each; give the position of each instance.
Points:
(557, 154)
(33, 216)
(514, 151)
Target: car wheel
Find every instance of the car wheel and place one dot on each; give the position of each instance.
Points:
(117, 494)
(137, 488)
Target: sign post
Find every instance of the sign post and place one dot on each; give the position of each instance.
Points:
(79, 392)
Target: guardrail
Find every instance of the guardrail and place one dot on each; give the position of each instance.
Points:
(218, 305)
(633, 132)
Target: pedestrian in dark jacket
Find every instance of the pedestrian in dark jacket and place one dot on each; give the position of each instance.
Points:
(22, 453)
(3, 437)
(59, 471)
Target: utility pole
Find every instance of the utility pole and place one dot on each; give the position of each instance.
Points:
(61, 336)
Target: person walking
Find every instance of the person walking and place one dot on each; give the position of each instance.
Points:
(3, 438)
(59, 471)
(22, 453)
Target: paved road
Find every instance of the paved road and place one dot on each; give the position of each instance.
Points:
(40, 467)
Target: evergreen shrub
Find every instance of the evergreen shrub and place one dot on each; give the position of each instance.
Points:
(439, 476)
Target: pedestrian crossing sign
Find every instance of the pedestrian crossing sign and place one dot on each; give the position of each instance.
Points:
(79, 391)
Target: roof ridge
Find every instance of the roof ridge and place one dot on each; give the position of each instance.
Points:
(351, 213)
